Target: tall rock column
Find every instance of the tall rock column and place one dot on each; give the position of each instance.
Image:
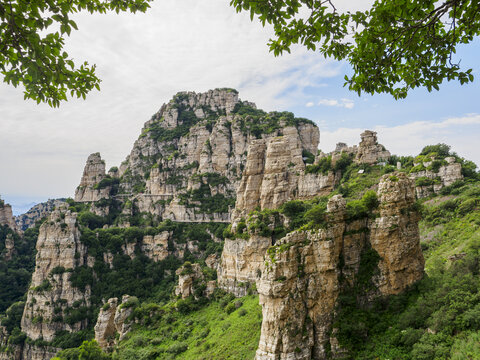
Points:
(298, 290)
(93, 174)
(59, 251)
(395, 235)
(6, 216)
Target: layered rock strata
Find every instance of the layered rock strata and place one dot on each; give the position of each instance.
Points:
(275, 172)
(446, 175)
(300, 282)
(369, 150)
(93, 173)
(51, 294)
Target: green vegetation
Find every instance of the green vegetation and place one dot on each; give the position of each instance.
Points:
(15, 273)
(225, 328)
(438, 317)
(258, 122)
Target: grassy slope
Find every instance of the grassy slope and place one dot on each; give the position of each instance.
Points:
(208, 333)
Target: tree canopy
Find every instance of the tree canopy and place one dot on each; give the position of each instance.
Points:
(393, 47)
(32, 38)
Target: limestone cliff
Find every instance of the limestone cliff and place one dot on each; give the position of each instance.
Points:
(300, 276)
(6, 216)
(51, 297)
(111, 322)
(306, 270)
(275, 172)
(90, 188)
(431, 180)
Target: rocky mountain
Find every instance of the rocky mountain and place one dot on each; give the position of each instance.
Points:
(219, 200)
(36, 213)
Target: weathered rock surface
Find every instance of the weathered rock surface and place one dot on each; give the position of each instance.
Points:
(241, 263)
(275, 172)
(395, 235)
(447, 174)
(189, 275)
(105, 329)
(94, 172)
(299, 288)
(6, 216)
(156, 247)
(58, 249)
(112, 320)
(369, 150)
(36, 213)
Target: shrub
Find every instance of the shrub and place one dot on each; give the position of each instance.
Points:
(177, 348)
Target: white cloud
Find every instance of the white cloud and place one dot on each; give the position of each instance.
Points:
(309, 104)
(345, 103)
(408, 139)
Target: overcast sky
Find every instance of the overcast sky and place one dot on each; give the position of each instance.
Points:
(197, 45)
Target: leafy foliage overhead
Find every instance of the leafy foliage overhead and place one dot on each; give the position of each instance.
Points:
(395, 46)
(32, 38)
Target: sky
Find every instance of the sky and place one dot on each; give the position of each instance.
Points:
(197, 45)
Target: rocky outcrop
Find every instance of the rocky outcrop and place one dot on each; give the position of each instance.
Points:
(51, 294)
(6, 216)
(241, 263)
(189, 276)
(90, 188)
(275, 172)
(430, 182)
(112, 321)
(105, 329)
(395, 235)
(37, 212)
(369, 150)
(156, 246)
(300, 276)
(195, 148)
(300, 280)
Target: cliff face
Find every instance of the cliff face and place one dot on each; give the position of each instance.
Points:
(36, 213)
(51, 297)
(431, 182)
(6, 216)
(301, 278)
(93, 174)
(275, 172)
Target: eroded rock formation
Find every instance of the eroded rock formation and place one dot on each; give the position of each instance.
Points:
(369, 150)
(89, 188)
(431, 182)
(301, 281)
(112, 325)
(6, 216)
(51, 294)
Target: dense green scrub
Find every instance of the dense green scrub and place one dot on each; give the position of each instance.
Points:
(15, 275)
(223, 328)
